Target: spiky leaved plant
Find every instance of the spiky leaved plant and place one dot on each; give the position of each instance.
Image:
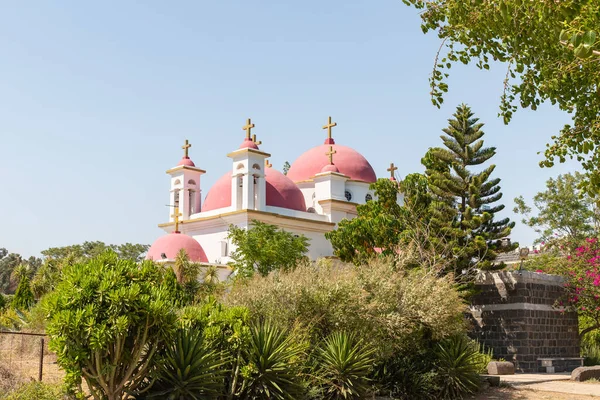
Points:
(190, 369)
(273, 358)
(458, 367)
(344, 363)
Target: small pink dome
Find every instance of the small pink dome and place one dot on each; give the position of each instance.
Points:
(348, 161)
(281, 192)
(171, 244)
(187, 161)
(330, 168)
(248, 144)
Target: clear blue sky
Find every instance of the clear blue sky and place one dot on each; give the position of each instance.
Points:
(97, 99)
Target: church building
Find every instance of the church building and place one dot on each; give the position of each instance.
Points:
(322, 187)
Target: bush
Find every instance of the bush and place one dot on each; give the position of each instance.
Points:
(343, 365)
(106, 320)
(390, 309)
(37, 391)
(23, 298)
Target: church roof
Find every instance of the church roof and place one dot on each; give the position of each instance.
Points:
(280, 192)
(347, 160)
(170, 244)
(187, 162)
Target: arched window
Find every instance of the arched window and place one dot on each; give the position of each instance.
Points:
(311, 210)
(191, 201)
(191, 182)
(177, 182)
(239, 166)
(176, 198)
(368, 197)
(256, 166)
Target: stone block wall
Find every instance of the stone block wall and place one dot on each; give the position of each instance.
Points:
(513, 314)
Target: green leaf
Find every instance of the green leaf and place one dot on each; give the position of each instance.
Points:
(589, 38)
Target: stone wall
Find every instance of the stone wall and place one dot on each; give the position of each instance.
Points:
(513, 314)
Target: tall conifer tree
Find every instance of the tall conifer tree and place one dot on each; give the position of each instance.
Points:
(469, 199)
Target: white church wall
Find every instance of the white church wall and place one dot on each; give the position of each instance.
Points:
(358, 190)
(296, 214)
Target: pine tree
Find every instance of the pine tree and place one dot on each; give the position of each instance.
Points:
(468, 198)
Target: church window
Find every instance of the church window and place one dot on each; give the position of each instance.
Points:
(177, 182)
(176, 198)
(311, 210)
(256, 166)
(348, 195)
(191, 182)
(368, 197)
(240, 166)
(191, 202)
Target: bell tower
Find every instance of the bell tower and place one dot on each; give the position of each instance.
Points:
(185, 186)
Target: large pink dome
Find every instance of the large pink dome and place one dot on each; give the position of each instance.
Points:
(281, 192)
(171, 244)
(348, 161)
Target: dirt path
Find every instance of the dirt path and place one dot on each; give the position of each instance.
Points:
(508, 393)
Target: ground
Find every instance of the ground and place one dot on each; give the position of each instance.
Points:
(509, 393)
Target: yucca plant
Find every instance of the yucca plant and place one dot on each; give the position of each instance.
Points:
(344, 363)
(190, 369)
(273, 361)
(458, 367)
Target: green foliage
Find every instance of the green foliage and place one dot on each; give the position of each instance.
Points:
(286, 167)
(551, 51)
(387, 307)
(88, 250)
(8, 263)
(564, 211)
(107, 319)
(344, 363)
(458, 367)
(23, 299)
(2, 302)
(36, 391)
(274, 360)
(265, 248)
(468, 200)
(409, 376)
(189, 369)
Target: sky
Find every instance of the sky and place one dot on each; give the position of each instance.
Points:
(97, 98)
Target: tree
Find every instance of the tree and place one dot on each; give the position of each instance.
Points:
(264, 248)
(375, 230)
(564, 211)
(88, 250)
(23, 299)
(551, 49)
(467, 199)
(106, 320)
(286, 167)
(8, 262)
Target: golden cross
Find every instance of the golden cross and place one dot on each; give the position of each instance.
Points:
(185, 148)
(267, 164)
(329, 126)
(176, 218)
(248, 128)
(254, 139)
(330, 154)
(392, 169)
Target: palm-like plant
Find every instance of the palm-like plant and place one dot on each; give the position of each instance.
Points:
(458, 367)
(190, 369)
(273, 359)
(344, 364)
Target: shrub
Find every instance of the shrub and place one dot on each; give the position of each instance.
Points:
(37, 391)
(344, 363)
(389, 309)
(409, 376)
(190, 369)
(273, 363)
(107, 319)
(23, 299)
(458, 367)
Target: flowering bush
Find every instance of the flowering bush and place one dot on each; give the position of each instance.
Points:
(581, 269)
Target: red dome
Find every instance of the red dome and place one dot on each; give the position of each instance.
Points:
(171, 244)
(348, 161)
(330, 168)
(281, 192)
(187, 161)
(248, 144)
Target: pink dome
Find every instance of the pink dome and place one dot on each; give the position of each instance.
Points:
(248, 144)
(348, 161)
(281, 192)
(171, 244)
(330, 168)
(187, 161)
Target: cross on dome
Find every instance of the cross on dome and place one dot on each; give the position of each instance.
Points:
(254, 139)
(185, 148)
(392, 169)
(329, 125)
(176, 216)
(330, 154)
(267, 163)
(248, 128)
